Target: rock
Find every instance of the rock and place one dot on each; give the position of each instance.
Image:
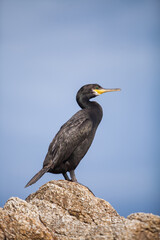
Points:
(65, 210)
(21, 220)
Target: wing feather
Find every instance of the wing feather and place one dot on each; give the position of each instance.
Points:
(70, 135)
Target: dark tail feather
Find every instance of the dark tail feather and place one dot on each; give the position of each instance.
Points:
(37, 177)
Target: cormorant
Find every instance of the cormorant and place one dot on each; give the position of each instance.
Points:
(75, 137)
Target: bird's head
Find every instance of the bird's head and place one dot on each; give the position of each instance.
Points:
(93, 90)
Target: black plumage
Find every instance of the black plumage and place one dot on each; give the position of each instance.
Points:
(75, 137)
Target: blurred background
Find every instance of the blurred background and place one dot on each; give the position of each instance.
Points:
(48, 50)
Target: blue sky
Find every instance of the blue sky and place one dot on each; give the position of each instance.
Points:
(49, 49)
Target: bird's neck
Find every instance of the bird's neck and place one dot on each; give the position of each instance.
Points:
(84, 102)
(95, 108)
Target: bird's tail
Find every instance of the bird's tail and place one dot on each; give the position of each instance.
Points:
(37, 176)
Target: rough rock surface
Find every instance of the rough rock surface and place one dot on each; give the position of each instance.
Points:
(65, 210)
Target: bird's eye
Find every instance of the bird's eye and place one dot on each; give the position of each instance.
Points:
(97, 87)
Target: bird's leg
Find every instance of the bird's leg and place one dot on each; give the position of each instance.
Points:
(66, 177)
(73, 176)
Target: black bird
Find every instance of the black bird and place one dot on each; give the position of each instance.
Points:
(75, 137)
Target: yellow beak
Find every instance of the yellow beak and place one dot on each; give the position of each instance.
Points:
(102, 90)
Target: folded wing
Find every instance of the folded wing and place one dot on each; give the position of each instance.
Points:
(69, 137)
